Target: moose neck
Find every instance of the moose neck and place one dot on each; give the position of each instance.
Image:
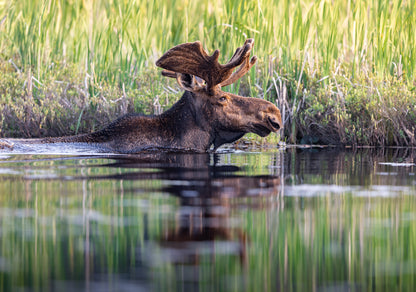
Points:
(187, 124)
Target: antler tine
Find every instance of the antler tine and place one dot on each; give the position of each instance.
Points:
(240, 72)
(240, 58)
(240, 55)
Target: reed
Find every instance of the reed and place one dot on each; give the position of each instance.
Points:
(301, 45)
(114, 40)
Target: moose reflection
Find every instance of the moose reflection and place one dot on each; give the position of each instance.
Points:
(209, 193)
(205, 219)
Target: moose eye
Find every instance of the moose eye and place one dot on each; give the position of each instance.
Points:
(223, 99)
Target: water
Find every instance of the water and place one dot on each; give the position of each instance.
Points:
(277, 220)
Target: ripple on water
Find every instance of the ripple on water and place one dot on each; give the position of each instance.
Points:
(402, 164)
(9, 171)
(308, 190)
(384, 191)
(55, 149)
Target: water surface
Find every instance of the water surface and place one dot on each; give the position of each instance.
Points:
(277, 220)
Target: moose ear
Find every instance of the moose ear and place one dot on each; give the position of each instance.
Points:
(186, 81)
(189, 82)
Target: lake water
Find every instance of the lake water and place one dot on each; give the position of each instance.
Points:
(277, 220)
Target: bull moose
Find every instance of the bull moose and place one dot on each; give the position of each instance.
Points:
(204, 116)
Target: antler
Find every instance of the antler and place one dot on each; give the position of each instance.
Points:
(240, 72)
(191, 58)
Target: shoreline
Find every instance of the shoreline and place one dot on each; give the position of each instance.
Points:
(384, 115)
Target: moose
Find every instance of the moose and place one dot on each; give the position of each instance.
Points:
(204, 116)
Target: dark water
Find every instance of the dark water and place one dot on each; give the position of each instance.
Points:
(277, 220)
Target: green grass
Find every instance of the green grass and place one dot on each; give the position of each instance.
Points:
(312, 54)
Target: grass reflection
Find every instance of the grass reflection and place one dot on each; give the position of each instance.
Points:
(348, 242)
(231, 222)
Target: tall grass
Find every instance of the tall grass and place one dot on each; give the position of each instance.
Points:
(115, 39)
(300, 44)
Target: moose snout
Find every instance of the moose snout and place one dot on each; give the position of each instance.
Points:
(273, 117)
(274, 122)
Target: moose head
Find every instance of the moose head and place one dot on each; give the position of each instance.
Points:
(230, 116)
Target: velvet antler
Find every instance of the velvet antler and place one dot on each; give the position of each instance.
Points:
(191, 58)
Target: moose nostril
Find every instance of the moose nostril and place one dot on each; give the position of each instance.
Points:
(273, 122)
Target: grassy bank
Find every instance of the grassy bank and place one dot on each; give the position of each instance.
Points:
(341, 72)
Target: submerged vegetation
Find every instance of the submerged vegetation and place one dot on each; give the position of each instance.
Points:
(341, 72)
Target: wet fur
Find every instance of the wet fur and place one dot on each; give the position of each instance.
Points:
(177, 128)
